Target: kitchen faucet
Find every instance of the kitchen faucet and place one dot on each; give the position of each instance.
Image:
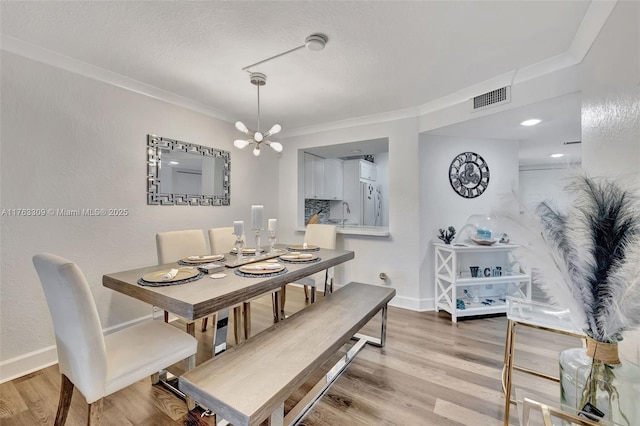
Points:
(344, 203)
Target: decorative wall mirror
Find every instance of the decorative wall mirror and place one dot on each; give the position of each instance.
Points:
(182, 173)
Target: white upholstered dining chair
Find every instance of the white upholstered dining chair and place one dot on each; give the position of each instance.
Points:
(175, 245)
(323, 236)
(95, 364)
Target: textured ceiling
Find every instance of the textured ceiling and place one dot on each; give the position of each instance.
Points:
(381, 56)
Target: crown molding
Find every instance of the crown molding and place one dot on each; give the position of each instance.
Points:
(49, 57)
(591, 25)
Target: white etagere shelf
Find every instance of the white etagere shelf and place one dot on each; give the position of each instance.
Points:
(452, 278)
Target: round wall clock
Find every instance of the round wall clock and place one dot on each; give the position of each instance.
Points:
(469, 174)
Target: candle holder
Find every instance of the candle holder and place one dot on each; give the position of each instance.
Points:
(257, 231)
(239, 247)
(272, 241)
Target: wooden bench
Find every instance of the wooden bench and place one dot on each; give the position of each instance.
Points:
(251, 381)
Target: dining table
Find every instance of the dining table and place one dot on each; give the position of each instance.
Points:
(206, 296)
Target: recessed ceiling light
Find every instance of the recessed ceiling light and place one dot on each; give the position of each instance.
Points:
(173, 163)
(558, 155)
(355, 151)
(531, 122)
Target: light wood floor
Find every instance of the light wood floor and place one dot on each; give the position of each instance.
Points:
(431, 372)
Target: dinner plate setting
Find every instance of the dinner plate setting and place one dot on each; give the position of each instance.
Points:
(261, 269)
(247, 251)
(299, 257)
(206, 258)
(303, 247)
(171, 277)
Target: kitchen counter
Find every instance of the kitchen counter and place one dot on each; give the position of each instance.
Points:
(371, 231)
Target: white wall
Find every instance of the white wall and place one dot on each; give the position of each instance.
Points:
(542, 184)
(73, 142)
(441, 207)
(396, 255)
(610, 80)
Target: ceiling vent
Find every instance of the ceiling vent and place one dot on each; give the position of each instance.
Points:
(495, 97)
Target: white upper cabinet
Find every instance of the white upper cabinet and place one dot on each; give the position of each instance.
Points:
(368, 171)
(323, 178)
(333, 179)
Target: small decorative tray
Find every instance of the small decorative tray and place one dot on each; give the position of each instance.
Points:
(484, 242)
(302, 247)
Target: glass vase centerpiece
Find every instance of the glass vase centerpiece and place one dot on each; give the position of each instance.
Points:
(238, 231)
(588, 260)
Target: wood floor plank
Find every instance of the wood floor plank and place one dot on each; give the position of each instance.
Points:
(11, 403)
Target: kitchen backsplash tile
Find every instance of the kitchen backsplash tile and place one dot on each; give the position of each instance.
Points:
(312, 207)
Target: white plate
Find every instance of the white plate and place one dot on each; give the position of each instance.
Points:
(217, 276)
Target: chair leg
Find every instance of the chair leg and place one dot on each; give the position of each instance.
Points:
(306, 293)
(166, 316)
(190, 363)
(283, 297)
(236, 323)
(246, 312)
(313, 294)
(204, 324)
(191, 328)
(66, 392)
(95, 412)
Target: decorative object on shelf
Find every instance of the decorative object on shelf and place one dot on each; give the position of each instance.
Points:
(474, 271)
(314, 42)
(595, 254)
(504, 239)
(469, 175)
(447, 236)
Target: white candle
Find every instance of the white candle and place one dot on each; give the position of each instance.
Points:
(273, 224)
(256, 217)
(238, 227)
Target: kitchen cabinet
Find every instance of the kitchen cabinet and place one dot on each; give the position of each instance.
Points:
(368, 170)
(333, 179)
(460, 294)
(323, 178)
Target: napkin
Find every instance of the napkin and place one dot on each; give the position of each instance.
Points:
(264, 267)
(208, 257)
(170, 275)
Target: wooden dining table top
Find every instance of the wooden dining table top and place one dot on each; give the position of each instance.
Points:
(205, 296)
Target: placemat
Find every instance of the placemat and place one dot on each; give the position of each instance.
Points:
(317, 259)
(166, 283)
(272, 274)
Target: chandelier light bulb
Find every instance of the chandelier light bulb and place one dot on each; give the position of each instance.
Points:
(241, 143)
(258, 137)
(274, 130)
(256, 151)
(241, 127)
(277, 146)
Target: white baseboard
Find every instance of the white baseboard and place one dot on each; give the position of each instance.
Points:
(410, 303)
(45, 357)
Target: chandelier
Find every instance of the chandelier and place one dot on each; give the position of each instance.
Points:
(256, 137)
(314, 42)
